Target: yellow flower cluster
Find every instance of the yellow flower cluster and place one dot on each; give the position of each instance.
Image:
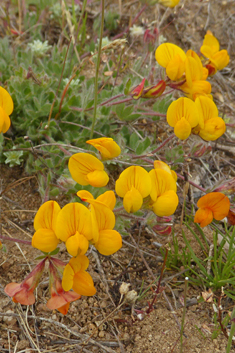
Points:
(6, 108)
(197, 113)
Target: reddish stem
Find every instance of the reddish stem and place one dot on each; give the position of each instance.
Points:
(27, 242)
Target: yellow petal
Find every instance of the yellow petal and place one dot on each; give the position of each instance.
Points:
(98, 178)
(211, 42)
(72, 218)
(6, 101)
(220, 59)
(182, 108)
(166, 204)
(175, 68)
(81, 164)
(5, 121)
(109, 242)
(198, 88)
(84, 195)
(79, 263)
(169, 3)
(83, 284)
(206, 108)
(162, 181)
(164, 166)
(182, 129)
(45, 240)
(133, 176)
(67, 280)
(133, 200)
(213, 129)
(166, 52)
(77, 244)
(107, 147)
(108, 198)
(104, 216)
(46, 216)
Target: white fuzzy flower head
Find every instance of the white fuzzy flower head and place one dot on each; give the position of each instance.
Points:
(136, 31)
(73, 83)
(105, 42)
(39, 48)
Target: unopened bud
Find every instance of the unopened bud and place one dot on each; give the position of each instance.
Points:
(131, 297)
(124, 288)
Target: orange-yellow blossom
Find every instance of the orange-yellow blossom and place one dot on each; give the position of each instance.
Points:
(213, 205)
(107, 147)
(86, 169)
(75, 276)
(195, 75)
(169, 3)
(108, 240)
(133, 185)
(108, 198)
(45, 238)
(164, 199)
(211, 50)
(183, 115)
(6, 108)
(74, 226)
(164, 166)
(172, 58)
(211, 126)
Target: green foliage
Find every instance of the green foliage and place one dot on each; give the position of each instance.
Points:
(222, 261)
(13, 158)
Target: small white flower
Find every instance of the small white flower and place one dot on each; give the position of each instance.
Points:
(73, 83)
(136, 31)
(105, 42)
(56, 10)
(39, 48)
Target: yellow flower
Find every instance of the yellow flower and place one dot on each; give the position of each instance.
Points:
(212, 126)
(133, 185)
(86, 169)
(163, 193)
(6, 108)
(211, 50)
(164, 166)
(107, 241)
(108, 198)
(213, 205)
(196, 76)
(182, 114)
(106, 146)
(45, 238)
(75, 277)
(172, 58)
(169, 3)
(74, 226)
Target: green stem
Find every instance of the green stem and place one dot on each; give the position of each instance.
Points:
(232, 331)
(97, 69)
(184, 313)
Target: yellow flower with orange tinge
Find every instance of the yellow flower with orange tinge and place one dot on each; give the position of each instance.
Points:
(74, 227)
(164, 199)
(183, 115)
(133, 184)
(172, 58)
(213, 205)
(161, 165)
(211, 50)
(86, 169)
(107, 147)
(195, 75)
(108, 240)
(6, 108)
(75, 276)
(169, 3)
(45, 238)
(212, 126)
